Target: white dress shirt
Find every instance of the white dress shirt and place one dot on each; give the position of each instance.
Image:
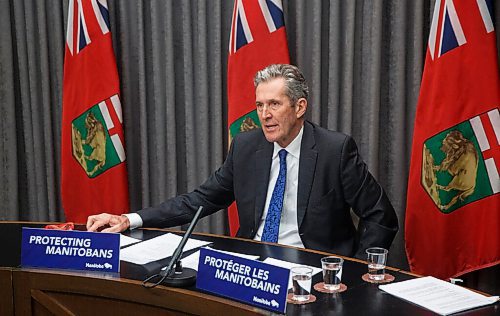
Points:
(134, 219)
(289, 229)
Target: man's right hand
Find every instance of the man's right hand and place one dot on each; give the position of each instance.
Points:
(112, 223)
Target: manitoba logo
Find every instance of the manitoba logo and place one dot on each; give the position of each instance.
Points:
(95, 137)
(460, 165)
(245, 123)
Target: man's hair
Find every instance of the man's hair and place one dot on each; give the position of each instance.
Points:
(295, 83)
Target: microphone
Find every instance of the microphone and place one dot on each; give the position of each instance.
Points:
(178, 277)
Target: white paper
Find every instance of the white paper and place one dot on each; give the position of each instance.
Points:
(157, 248)
(192, 260)
(288, 265)
(126, 240)
(438, 296)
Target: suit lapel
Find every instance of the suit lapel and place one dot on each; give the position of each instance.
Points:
(307, 166)
(263, 158)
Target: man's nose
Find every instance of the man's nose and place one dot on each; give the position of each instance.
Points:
(265, 112)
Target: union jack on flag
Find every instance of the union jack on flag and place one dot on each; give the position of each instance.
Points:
(451, 34)
(78, 29)
(241, 31)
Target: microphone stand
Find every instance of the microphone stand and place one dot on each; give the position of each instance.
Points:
(180, 277)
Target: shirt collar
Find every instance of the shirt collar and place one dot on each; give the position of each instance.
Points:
(293, 148)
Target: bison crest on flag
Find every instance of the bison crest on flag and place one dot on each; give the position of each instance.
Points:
(95, 143)
(458, 165)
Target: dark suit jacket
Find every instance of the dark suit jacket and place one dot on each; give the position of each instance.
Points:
(332, 179)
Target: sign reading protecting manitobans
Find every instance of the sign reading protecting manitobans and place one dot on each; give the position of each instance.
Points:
(75, 250)
(249, 281)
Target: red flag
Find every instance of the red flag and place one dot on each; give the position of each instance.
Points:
(453, 205)
(258, 39)
(94, 174)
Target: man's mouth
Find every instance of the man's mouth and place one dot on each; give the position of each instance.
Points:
(271, 127)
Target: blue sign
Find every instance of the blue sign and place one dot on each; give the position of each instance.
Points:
(249, 281)
(76, 250)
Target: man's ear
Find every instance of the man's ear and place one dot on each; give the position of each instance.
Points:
(301, 107)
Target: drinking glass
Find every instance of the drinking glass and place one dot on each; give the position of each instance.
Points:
(301, 282)
(332, 272)
(377, 258)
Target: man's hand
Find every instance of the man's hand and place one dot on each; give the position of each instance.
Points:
(113, 223)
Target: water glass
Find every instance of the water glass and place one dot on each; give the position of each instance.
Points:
(377, 257)
(332, 272)
(301, 282)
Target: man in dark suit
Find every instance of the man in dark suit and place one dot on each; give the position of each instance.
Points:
(293, 181)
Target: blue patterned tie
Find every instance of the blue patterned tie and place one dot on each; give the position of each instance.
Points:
(272, 225)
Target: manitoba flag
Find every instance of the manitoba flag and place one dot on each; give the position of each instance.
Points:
(257, 39)
(453, 205)
(94, 175)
